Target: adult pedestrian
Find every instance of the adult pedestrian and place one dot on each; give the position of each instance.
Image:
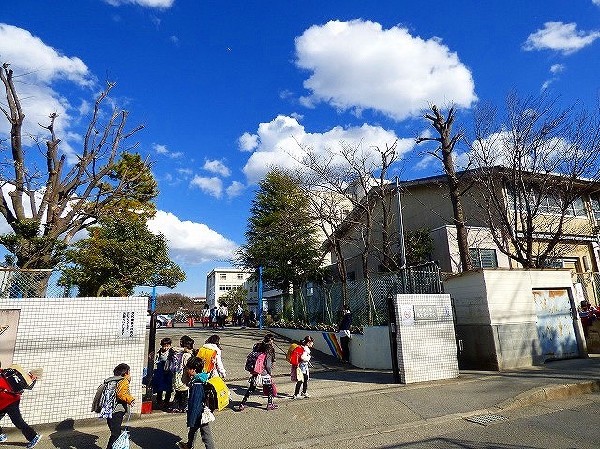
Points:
(303, 369)
(344, 332)
(239, 313)
(222, 315)
(206, 315)
(213, 317)
(10, 402)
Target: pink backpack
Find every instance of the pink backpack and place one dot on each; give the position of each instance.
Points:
(259, 366)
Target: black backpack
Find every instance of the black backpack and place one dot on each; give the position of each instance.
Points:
(15, 380)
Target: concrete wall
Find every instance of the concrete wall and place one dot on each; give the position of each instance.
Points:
(496, 317)
(370, 350)
(426, 344)
(78, 342)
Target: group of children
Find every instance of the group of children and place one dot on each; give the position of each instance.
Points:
(186, 371)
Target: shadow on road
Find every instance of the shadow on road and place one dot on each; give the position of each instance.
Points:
(150, 437)
(448, 443)
(66, 437)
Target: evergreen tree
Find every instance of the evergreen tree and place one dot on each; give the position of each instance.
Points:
(281, 235)
(120, 254)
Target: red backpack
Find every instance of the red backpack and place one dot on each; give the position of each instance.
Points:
(294, 358)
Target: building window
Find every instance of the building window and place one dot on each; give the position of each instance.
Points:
(596, 207)
(240, 276)
(483, 258)
(223, 276)
(577, 208)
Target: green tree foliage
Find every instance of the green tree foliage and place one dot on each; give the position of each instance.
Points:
(281, 234)
(238, 295)
(51, 202)
(419, 246)
(120, 254)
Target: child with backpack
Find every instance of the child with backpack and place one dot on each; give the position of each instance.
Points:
(120, 402)
(302, 369)
(263, 354)
(210, 353)
(162, 379)
(177, 364)
(196, 406)
(10, 401)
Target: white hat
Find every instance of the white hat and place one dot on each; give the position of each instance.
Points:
(26, 375)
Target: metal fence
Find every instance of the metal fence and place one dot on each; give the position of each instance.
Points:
(23, 283)
(367, 299)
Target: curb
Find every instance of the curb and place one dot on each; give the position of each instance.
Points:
(548, 393)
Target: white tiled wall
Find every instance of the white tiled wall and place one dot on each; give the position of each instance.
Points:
(426, 348)
(78, 342)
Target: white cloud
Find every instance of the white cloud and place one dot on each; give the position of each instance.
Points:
(217, 167)
(160, 149)
(596, 2)
(557, 68)
(144, 3)
(37, 67)
(559, 36)
(248, 142)
(235, 189)
(163, 150)
(191, 242)
(358, 65)
(213, 186)
(278, 143)
(185, 171)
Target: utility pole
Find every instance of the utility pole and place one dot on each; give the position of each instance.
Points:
(260, 297)
(401, 247)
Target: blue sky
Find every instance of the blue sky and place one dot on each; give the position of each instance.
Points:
(227, 89)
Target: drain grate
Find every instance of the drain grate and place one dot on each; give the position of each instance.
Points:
(484, 420)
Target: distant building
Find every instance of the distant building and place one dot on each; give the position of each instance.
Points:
(222, 280)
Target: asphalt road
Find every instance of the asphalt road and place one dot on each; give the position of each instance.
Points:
(354, 408)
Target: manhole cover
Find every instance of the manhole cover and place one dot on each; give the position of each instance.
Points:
(484, 420)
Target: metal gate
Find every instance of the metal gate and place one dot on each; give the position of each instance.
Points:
(555, 328)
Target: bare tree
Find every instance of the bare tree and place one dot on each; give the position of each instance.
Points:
(447, 143)
(46, 208)
(358, 178)
(536, 166)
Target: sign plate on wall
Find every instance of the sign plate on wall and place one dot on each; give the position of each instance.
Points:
(428, 313)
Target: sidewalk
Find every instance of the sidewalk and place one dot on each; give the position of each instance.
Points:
(345, 402)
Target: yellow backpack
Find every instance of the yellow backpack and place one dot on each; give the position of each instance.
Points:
(209, 357)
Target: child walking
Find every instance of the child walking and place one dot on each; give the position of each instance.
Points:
(162, 380)
(10, 405)
(266, 347)
(303, 371)
(124, 401)
(196, 406)
(180, 385)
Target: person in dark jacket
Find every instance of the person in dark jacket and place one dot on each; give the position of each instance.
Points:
(162, 379)
(196, 406)
(344, 333)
